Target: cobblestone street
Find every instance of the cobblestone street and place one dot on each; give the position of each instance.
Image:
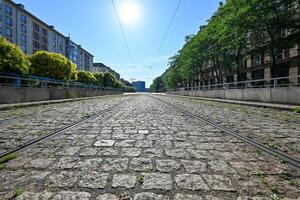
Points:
(146, 150)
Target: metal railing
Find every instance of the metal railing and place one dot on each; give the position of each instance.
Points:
(290, 81)
(13, 80)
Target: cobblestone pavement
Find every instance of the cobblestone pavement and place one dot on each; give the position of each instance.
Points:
(148, 151)
(26, 124)
(275, 128)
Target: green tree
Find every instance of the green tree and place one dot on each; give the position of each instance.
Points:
(109, 80)
(157, 85)
(12, 59)
(99, 79)
(271, 20)
(86, 77)
(126, 88)
(52, 65)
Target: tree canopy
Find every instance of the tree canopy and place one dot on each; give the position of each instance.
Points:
(52, 65)
(233, 32)
(12, 59)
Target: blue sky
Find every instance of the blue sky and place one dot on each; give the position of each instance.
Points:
(95, 26)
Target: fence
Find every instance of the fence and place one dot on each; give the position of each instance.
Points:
(40, 82)
(291, 81)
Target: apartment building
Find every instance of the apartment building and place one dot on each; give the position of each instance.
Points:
(258, 63)
(85, 59)
(21, 27)
(100, 67)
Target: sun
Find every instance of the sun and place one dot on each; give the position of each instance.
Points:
(129, 12)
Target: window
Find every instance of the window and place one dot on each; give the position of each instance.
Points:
(45, 32)
(23, 28)
(24, 48)
(61, 46)
(280, 55)
(36, 45)
(8, 32)
(36, 36)
(23, 19)
(245, 62)
(8, 10)
(258, 60)
(44, 40)
(0, 22)
(36, 27)
(44, 48)
(54, 41)
(8, 21)
(23, 38)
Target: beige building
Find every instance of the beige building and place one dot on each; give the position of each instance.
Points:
(85, 59)
(258, 64)
(32, 34)
(100, 67)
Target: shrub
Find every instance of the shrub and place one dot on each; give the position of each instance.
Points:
(52, 65)
(86, 77)
(109, 80)
(73, 70)
(12, 58)
(297, 110)
(126, 88)
(99, 79)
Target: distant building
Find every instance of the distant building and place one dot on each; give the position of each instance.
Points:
(32, 34)
(84, 59)
(140, 86)
(100, 67)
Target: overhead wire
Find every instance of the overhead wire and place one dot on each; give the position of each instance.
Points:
(123, 33)
(166, 33)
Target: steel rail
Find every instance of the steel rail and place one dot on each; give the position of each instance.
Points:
(59, 131)
(277, 153)
(253, 115)
(9, 119)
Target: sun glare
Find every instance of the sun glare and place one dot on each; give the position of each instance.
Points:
(129, 12)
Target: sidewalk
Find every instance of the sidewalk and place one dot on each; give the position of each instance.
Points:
(247, 103)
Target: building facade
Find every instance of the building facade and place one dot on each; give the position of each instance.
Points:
(22, 28)
(100, 67)
(85, 59)
(258, 63)
(140, 86)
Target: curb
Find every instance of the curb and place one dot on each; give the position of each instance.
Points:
(247, 103)
(40, 103)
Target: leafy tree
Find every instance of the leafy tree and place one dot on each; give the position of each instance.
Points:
(73, 70)
(126, 88)
(157, 85)
(12, 59)
(238, 29)
(52, 65)
(270, 20)
(99, 79)
(86, 77)
(110, 81)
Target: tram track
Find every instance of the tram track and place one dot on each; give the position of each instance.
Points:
(61, 130)
(24, 115)
(274, 152)
(11, 119)
(266, 118)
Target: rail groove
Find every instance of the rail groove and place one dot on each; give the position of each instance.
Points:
(59, 131)
(277, 153)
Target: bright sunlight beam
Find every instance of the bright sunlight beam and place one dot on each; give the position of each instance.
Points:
(129, 12)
